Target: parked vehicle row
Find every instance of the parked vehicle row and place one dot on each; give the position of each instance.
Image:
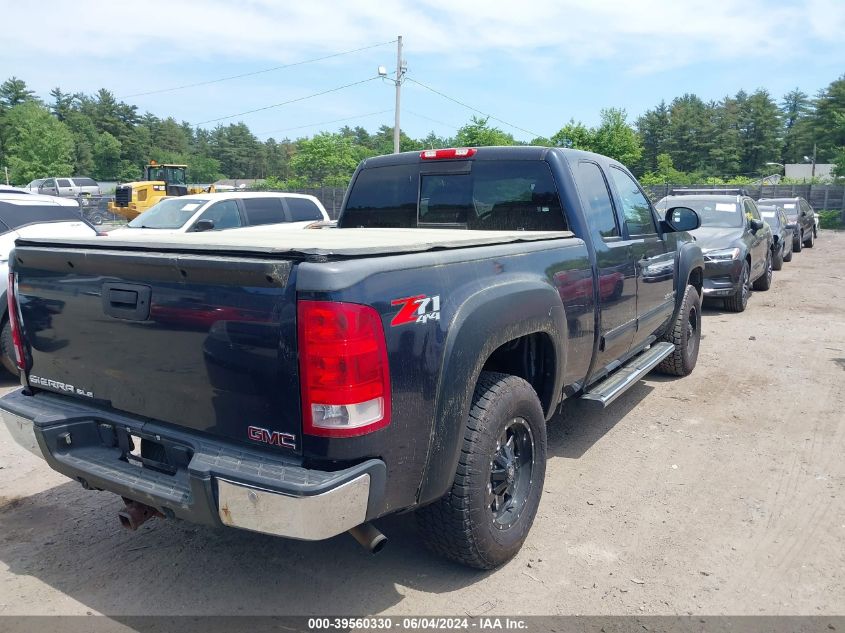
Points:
(743, 243)
(802, 220)
(305, 383)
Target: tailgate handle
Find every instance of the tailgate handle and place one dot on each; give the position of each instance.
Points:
(126, 301)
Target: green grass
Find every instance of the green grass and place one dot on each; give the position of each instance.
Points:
(831, 219)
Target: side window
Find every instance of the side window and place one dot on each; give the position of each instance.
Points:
(302, 210)
(596, 198)
(751, 210)
(264, 211)
(635, 206)
(224, 214)
(64, 182)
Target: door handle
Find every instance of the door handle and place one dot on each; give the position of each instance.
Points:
(130, 302)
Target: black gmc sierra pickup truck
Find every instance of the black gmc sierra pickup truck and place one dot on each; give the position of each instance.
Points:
(303, 384)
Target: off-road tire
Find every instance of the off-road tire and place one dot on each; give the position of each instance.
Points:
(685, 334)
(777, 258)
(7, 349)
(764, 281)
(461, 525)
(739, 301)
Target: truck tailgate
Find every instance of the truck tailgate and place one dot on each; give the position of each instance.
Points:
(195, 340)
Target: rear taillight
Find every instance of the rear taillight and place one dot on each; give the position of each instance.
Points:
(443, 154)
(15, 322)
(343, 369)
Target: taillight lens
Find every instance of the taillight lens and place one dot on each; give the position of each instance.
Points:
(343, 369)
(15, 323)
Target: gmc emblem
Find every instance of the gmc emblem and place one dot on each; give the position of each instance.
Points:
(257, 434)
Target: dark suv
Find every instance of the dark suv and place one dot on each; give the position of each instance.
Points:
(801, 220)
(736, 242)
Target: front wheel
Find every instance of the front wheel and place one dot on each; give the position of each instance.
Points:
(739, 301)
(484, 518)
(764, 281)
(777, 258)
(787, 256)
(685, 335)
(810, 241)
(797, 246)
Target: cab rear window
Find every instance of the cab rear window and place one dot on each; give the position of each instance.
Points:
(493, 195)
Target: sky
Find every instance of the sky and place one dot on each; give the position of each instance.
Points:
(531, 65)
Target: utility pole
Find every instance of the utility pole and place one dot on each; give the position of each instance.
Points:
(400, 74)
(812, 171)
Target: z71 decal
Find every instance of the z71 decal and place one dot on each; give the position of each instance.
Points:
(418, 309)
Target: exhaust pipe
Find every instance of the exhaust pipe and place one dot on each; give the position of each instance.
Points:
(135, 514)
(369, 537)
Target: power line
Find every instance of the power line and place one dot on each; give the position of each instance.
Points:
(257, 72)
(469, 107)
(300, 127)
(428, 118)
(283, 103)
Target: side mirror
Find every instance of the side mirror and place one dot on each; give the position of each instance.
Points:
(756, 225)
(681, 219)
(203, 225)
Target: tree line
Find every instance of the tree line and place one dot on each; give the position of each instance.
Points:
(687, 140)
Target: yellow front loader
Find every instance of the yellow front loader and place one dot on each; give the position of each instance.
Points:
(160, 181)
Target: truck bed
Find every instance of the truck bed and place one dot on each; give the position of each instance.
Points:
(307, 243)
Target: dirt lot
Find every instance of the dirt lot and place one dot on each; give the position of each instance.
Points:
(722, 493)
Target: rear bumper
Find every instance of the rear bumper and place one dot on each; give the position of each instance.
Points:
(213, 482)
(721, 278)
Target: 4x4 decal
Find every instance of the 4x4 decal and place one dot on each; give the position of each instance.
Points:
(416, 309)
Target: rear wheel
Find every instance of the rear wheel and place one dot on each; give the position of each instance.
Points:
(739, 301)
(7, 349)
(685, 335)
(764, 281)
(484, 519)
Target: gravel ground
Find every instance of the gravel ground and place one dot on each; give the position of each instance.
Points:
(721, 493)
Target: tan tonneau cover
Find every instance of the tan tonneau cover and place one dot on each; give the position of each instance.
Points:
(315, 242)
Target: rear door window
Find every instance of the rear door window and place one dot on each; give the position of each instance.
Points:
(85, 182)
(63, 182)
(303, 210)
(264, 211)
(593, 189)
